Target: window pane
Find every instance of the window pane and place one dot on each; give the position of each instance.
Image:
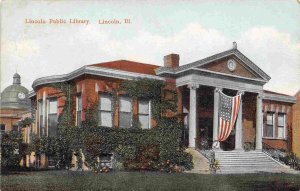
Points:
(79, 118)
(280, 132)
(52, 125)
(125, 120)
(79, 102)
(125, 104)
(143, 107)
(105, 119)
(41, 108)
(144, 121)
(270, 118)
(2, 129)
(281, 120)
(105, 102)
(41, 121)
(53, 106)
(268, 131)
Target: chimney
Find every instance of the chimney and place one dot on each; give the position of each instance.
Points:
(171, 61)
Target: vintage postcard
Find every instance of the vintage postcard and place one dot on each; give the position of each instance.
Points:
(150, 95)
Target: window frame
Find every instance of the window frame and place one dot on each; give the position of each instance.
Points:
(100, 110)
(266, 125)
(41, 114)
(2, 131)
(52, 114)
(145, 114)
(78, 121)
(281, 126)
(130, 113)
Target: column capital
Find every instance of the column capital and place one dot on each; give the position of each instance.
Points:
(218, 89)
(259, 95)
(241, 92)
(193, 86)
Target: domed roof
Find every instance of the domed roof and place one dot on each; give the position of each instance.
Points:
(15, 96)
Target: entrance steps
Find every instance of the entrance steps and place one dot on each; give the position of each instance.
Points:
(201, 164)
(232, 162)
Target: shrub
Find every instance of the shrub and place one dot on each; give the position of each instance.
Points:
(11, 150)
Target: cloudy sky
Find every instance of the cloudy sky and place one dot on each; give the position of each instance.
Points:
(267, 32)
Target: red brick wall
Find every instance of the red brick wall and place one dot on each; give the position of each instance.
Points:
(296, 126)
(86, 86)
(279, 107)
(249, 117)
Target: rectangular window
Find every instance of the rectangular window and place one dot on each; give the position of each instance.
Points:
(281, 125)
(144, 114)
(269, 127)
(52, 118)
(78, 110)
(125, 112)
(41, 116)
(105, 110)
(2, 129)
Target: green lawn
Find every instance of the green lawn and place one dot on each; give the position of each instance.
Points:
(68, 180)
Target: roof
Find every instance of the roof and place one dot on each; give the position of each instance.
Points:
(271, 92)
(212, 58)
(129, 66)
(274, 96)
(11, 97)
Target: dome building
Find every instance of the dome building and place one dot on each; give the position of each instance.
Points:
(14, 102)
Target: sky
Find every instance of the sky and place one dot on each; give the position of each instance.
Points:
(267, 32)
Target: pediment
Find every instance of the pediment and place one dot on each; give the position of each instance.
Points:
(231, 65)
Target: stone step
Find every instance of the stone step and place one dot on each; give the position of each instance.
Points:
(247, 162)
(243, 158)
(243, 164)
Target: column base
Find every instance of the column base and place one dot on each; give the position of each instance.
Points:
(217, 149)
(239, 149)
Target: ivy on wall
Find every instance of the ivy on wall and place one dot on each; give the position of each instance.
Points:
(158, 148)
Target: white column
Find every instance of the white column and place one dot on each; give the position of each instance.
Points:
(193, 115)
(239, 128)
(258, 145)
(216, 144)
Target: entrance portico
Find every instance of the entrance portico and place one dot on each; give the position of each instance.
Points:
(196, 114)
(229, 71)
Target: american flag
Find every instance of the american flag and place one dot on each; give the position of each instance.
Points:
(228, 111)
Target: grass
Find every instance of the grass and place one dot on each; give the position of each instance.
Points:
(69, 180)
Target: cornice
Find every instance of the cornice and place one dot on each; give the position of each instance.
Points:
(235, 52)
(93, 70)
(280, 98)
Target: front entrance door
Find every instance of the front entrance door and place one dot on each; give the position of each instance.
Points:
(205, 133)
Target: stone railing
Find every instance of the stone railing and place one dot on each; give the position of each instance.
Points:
(276, 154)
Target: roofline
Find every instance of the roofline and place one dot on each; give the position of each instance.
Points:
(93, 70)
(297, 93)
(235, 52)
(281, 98)
(31, 93)
(109, 62)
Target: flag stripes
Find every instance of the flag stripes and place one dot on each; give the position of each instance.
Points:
(228, 112)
